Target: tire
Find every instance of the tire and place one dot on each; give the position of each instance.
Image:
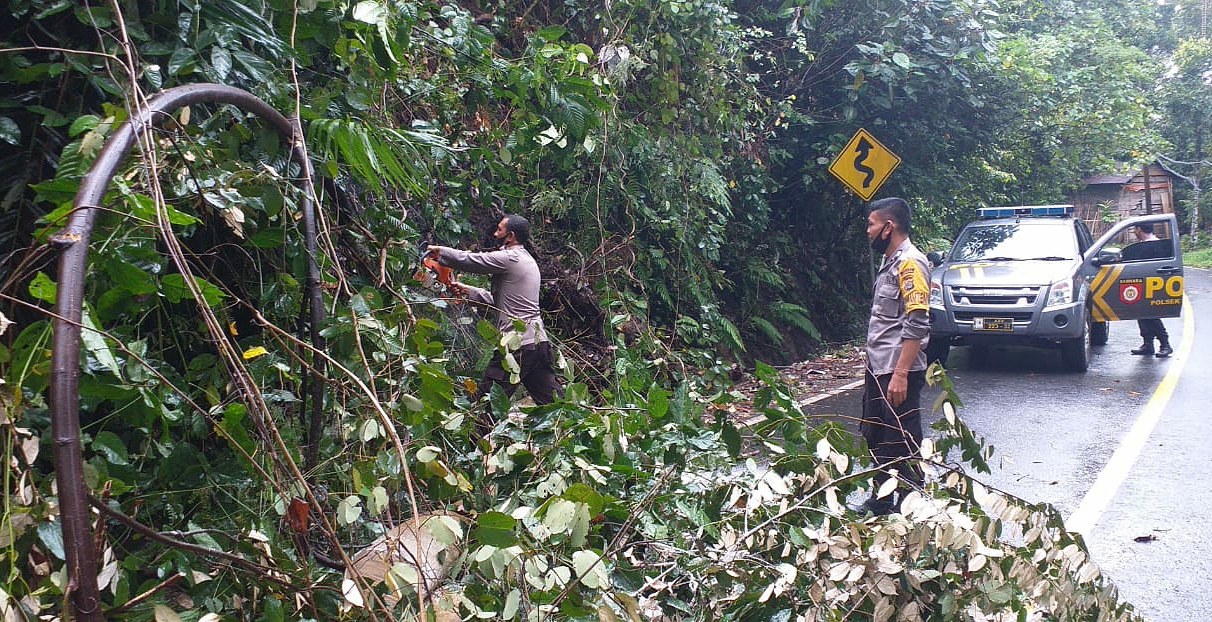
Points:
(1075, 353)
(938, 350)
(1099, 332)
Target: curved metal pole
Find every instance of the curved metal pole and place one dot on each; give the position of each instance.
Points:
(73, 243)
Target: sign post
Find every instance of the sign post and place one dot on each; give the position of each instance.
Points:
(864, 165)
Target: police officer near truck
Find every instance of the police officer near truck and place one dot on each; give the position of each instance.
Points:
(1151, 328)
(897, 333)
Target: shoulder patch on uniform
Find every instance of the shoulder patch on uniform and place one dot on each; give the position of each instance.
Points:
(914, 288)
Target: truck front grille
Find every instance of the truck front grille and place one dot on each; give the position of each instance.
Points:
(1002, 296)
(1017, 316)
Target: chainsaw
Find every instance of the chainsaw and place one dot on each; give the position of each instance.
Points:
(433, 275)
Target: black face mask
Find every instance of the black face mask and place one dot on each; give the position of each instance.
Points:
(880, 243)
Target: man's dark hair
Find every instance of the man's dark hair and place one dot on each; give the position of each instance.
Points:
(895, 209)
(1147, 227)
(520, 228)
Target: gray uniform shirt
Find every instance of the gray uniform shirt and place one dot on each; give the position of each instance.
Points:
(514, 290)
(900, 309)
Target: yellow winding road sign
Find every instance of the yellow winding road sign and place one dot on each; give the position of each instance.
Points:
(864, 165)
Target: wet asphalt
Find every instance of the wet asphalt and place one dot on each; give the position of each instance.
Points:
(1129, 466)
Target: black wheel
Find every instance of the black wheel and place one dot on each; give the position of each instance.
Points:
(1075, 353)
(1099, 332)
(937, 350)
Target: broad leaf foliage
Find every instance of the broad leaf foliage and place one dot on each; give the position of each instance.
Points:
(671, 155)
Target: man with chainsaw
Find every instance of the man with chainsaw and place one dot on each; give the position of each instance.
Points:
(897, 333)
(514, 293)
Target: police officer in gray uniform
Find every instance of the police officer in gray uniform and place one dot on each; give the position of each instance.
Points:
(897, 333)
(514, 293)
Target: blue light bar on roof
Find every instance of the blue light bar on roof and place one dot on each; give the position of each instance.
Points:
(987, 213)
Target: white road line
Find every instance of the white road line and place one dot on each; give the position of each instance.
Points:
(752, 421)
(1118, 467)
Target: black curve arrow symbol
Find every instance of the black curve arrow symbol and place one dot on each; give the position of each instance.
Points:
(863, 149)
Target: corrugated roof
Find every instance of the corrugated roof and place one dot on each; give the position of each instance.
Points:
(1107, 179)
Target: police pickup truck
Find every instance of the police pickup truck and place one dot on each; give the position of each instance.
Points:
(1034, 276)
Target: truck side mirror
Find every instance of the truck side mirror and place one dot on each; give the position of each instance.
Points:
(935, 257)
(1107, 256)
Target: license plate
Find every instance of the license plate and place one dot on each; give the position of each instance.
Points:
(997, 324)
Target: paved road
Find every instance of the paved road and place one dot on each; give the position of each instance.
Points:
(1124, 451)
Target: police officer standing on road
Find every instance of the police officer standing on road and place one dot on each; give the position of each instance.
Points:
(1151, 328)
(515, 294)
(897, 333)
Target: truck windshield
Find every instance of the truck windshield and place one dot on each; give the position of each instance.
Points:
(1018, 241)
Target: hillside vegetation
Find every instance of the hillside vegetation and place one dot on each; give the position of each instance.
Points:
(244, 448)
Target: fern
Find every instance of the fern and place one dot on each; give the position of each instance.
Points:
(735, 342)
(767, 330)
(797, 316)
(571, 113)
(711, 185)
(381, 156)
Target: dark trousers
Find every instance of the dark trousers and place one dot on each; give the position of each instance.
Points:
(537, 373)
(1151, 329)
(894, 433)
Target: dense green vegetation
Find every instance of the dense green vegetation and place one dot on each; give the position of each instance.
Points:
(672, 155)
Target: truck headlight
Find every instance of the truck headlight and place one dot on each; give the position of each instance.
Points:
(1061, 293)
(936, 294)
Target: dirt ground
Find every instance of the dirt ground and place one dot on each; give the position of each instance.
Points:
(828, 372)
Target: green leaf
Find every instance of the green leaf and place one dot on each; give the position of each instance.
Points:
(173, 286)
(512, 602)
(412, 402)
(130, 277)
(43, 288)
(487, 330)
(51, 535)
(371, 430)
(732, 439)
(109, 445)
(511, 340)
(275, 611)
(1002, 595)
(560, 515)
(162, 613)
(377, 500)
(181, 62)
(96, 345)
(582, 493)
(233, 425)
(153, 75)
(81, 125)
(591, 569)
(902, 60)
(495, 529)
(766, 373)
(220, 59)
(445, 529)
(369, 12)
(496, 520)
(349, 509)
(658, 402)
(552, 33)
(143, 206)
(429, 453)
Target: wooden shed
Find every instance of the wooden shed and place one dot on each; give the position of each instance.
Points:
(1107, 199)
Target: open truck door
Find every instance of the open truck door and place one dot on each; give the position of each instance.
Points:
(1136, 279)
